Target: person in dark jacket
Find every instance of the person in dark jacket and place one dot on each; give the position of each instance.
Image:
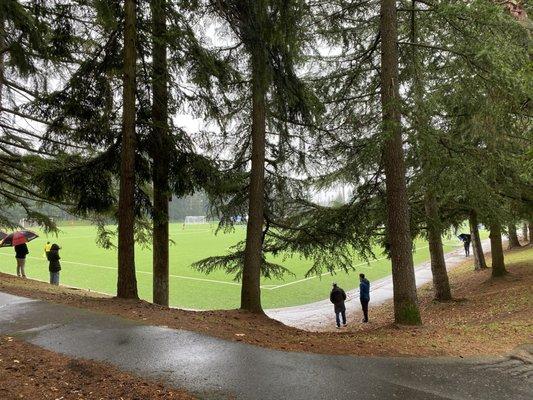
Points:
(364, 295)
(337, 297)
(466, 239)
(54, 265)
(21, 251)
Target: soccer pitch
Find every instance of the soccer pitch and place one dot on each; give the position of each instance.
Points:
(88, 266)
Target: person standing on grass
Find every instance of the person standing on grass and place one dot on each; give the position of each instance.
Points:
(364, 295)
(466, 239)
(54, 265)
(21, 251)
(337, 297)
(47, 247)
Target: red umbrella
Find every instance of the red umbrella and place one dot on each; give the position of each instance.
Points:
(19, 237)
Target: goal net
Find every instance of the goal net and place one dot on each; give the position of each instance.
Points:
(195, 219)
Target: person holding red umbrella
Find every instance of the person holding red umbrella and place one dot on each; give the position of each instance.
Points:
(21, 251)
(18, 240)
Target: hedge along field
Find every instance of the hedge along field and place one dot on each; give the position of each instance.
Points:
(88, 266)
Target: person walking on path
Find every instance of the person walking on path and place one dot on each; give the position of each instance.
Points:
(337, 297)
(54, 265)
(47, 247)
(21, 251)
(364, 295)
(466, 239)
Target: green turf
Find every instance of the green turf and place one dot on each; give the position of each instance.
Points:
(87, 266)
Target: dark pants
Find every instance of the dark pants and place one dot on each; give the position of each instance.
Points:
(54, 278)
(340, 311)
(467, 248)
(364, 306)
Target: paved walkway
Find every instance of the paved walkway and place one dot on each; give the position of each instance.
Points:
(217, 369)
(319, 315)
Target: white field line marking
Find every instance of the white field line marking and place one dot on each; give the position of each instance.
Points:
(190, 232)
(364, 265)
(67, 237)
(142, 272)
(326, 273)
(266, 287)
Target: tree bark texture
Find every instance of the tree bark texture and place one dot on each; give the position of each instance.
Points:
(253, 253)
(161, 147)
(513, 237)
(2, 63)
(496, 248)
(422, 122)
(441, 282)
(477, 248)
(524, 232)
(405, 297)
(127, 282)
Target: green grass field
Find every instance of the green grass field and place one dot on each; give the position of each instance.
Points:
(87, 266)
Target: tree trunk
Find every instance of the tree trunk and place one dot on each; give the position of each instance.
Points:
(441, 283)
(524, 232)
(530, 225)
(405, 297)
(253, 252)
(422, 123)
(479, 256)
(161, 147)
(513, 237)
(496, 248)
(127, 282)
(2, 67)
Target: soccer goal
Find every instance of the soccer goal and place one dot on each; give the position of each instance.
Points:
(195, 219)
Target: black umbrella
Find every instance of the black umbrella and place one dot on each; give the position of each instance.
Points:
(19, 237)
(3, 235)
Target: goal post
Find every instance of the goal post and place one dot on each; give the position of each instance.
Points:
(195, 219)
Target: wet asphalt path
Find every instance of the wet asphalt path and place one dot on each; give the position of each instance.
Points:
(215, 369)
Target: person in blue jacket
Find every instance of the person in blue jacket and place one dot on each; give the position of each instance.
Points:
(364, 295)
